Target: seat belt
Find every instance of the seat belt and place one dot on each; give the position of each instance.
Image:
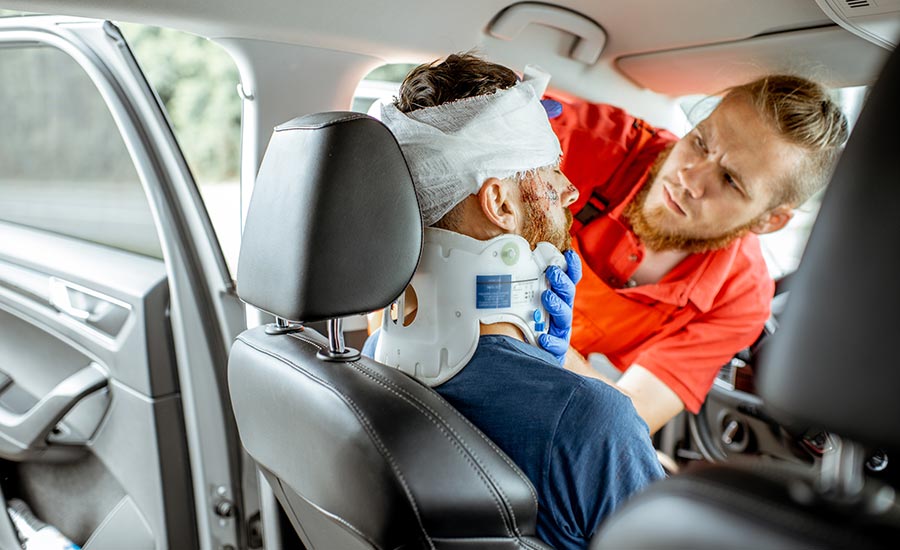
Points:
(598, 204)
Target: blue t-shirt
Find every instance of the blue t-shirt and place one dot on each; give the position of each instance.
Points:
(579, 441)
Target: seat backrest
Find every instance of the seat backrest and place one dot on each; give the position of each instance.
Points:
(359, 454)
(832, 362)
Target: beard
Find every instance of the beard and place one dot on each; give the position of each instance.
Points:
(649, 226)
(538, 227)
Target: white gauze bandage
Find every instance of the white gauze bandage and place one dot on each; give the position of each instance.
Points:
(451, 149)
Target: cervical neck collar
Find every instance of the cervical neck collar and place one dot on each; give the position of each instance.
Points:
(460, 283)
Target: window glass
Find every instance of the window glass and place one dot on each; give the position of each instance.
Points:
(63, 164)
(196, 80)
(382, 84)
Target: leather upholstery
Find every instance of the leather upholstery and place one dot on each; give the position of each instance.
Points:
(741, 506)
(833, 362)
(358, 454)
(375, 458)
(333, 226)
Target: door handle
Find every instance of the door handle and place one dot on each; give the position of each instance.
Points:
(87, 305)
(24, 435)
(59, 298)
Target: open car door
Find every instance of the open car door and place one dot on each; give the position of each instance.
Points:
(116, 306)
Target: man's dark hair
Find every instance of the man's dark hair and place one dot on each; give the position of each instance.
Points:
(457, 77)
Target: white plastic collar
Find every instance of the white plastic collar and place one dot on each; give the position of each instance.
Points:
(461, 282)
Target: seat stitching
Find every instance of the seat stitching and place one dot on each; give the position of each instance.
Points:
(515, 468)
(353, 116)
(524, 541)
(530, 544)
(327, 514)
(461, 448)
(365, 422)
(459, 440)
(456, 441)
(473, 456)
(493, 445)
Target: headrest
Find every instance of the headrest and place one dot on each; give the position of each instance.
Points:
(333, 227)
(834, 361)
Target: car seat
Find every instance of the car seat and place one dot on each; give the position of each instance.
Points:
(358, 454)
(831, 364)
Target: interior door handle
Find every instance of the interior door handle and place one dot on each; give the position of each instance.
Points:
(591, 38)
(59, 298)
(88, 306)
(24, 435)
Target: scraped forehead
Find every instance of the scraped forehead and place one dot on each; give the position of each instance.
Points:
(451, 149)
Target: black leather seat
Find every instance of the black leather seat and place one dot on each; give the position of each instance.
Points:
(833, 363)
(358, 454)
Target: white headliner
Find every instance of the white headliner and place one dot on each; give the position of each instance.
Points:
(416, 30)
(396, 29)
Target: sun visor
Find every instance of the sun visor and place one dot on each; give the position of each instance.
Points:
(830, 55)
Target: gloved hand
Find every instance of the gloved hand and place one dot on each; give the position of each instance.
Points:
(558, 300)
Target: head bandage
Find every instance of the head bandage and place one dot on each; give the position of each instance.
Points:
(451, 149)
(460, 283)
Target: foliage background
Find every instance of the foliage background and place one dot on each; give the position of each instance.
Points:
(197, 82)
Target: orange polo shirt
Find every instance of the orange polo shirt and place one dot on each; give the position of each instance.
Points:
(690, 323)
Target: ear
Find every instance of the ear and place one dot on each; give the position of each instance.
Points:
(773, 220)
(497, 202)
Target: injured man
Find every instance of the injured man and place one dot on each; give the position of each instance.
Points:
(477, 319)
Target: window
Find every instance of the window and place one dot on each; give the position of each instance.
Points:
(196, 80)
(382, 83)
(63, 164)
(783, 249)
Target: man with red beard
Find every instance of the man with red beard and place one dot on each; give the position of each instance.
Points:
(485, 165)
(674, 280)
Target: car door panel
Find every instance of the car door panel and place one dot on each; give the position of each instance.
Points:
(115, 305)
(120, 454)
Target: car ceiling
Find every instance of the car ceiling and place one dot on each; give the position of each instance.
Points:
(416, 30)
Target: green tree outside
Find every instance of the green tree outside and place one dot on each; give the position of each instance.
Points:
(197, 83)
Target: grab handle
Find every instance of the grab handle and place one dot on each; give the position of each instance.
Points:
(591, 38)
(24, 435)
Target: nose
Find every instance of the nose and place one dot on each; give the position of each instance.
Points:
(694, 178)
(569, 194)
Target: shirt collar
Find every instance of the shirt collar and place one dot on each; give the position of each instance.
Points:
(697, 279)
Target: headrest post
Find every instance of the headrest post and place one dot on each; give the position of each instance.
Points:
(336, 335)
(336, 350)
(283, 326)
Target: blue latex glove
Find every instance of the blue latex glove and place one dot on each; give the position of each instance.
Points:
(558, 300)
(552, 107)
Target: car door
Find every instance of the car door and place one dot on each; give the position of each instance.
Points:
(116, 306)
